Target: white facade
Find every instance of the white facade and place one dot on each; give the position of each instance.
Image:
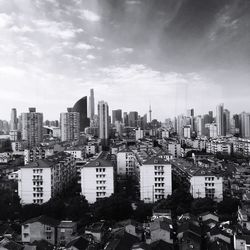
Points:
(204, 185)
(90, 149)
(139, 134)
(213, 131)
(214, 147)
(97, 180)
(155, 180)
(126, 162)
(34, 154)
(76, 153)
(41, 180)
(187, 132)
(174, 149)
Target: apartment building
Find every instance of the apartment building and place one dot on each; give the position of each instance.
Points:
(126, 162)
(37, 153)
(155, 179)
(204, 183)
(43, 179)
(97, 179)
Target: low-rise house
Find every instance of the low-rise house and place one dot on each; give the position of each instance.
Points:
(125, 242)
(190, 240)
(161, 230)
(40, 228)
(97, 230)
(132, 227)
(219, 233)
(66, 231)
(78, 243)
(7, 244)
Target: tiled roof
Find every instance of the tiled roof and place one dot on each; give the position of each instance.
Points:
(156, 160)
(43, 219)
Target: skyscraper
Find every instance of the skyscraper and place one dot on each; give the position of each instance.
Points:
(70, 125)
(132, 119)
(103, 121)
(91, 104)
(220, 120)
(13, 120)
(82, 108)
(245, 125)
(32, 127)
(116, 115)
(125, 119)
(227, 122)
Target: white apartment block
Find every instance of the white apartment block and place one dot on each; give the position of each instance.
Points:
(126, 162)
(77, 153)
(155, 180)
(206, 184)
(97, 179)
(40, 181)
(174, 149)
(90, 149)
(241, 146)
(214, 147)
(36, 153)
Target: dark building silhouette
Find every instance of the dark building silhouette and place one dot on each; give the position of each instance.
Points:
(81, 107)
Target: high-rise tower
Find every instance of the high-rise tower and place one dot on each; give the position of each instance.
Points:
(91, 104)
(13, 120)
(32, 127)
(150, 114)
(70, 125)
(220, 119)
(82, 108)
(103, 121)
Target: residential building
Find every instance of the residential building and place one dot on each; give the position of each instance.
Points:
(116, 116)
(91, 105)
(37, 153)
(155, 179)
(42, 180)
(32, 127)
(126, 162)
(40, 228)
(97, 179)
(204, 183)
(70, 125)
(220, 120)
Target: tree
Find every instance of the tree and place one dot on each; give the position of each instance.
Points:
(202, 205)
(227, 209)
(143, 211)
(116, 207)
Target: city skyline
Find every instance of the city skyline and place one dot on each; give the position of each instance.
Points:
(53, 52)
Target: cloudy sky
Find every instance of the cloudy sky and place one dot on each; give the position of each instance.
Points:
(174, 54)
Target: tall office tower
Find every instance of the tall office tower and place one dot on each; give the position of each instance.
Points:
(227, 123)
(32, 127)
(125, 119)
(220, 120)
(132, 119)
(200, 126)
(103, 121)
(144, 121)
(211, 115)
(190, 113)
(116, 116)
(82, 108)
(236, 124)
(245, 125)
(70, 125)
(91, 105)
(180, 125)
(13, 119)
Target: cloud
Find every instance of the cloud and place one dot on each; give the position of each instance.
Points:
(55, 29)
(98, 39)
(123, 50)
(84, 46)
(90, 57)
(5, 20)
(90, 16)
